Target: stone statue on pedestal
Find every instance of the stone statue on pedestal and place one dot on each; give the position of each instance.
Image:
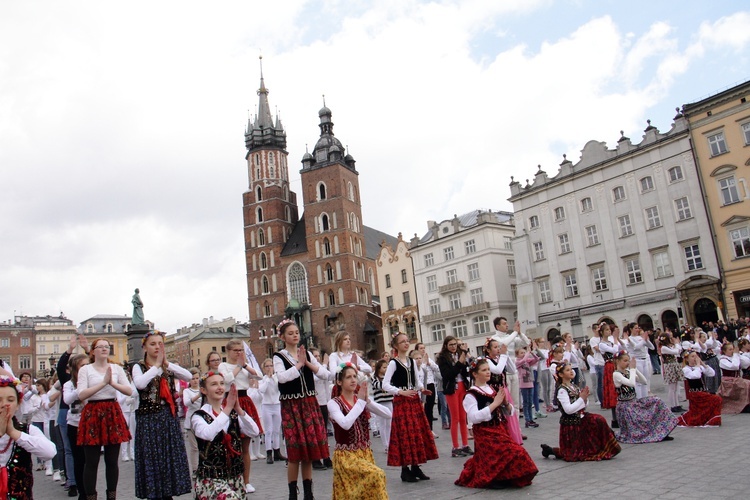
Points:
(138, 318)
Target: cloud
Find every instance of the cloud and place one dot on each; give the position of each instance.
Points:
(121, 126)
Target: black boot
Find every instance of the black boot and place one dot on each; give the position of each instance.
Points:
(269, 457)
(277, 455)
(615, 425)
(407, 476)
(293, 490)
(111, 495)
(318, 465)
(546, 451)
(307, 486)
(327, 462)
(417, 472)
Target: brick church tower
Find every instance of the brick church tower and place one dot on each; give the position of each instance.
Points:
(269, 213)
(341, 276)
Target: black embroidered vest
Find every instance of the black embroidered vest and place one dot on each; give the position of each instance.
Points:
(149, 399)
(302, 386)
(20, 470)
(696, 384)
(214, 459)
(625, 392)
(496, 381)
(566, 418)
(483, 401)
(402, 378)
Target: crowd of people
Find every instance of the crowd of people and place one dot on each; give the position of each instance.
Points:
(188, 430)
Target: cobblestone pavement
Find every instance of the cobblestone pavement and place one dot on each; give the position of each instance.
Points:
(661, 470)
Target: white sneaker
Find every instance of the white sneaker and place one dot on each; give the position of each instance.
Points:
(56, 476)
(253, 457)
(249, 488)
(260, 457)
(48, 472)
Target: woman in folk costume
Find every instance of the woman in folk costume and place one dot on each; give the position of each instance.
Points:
(497, 357)
(161, 464)
(583, 436)
(219, 426)
(411, 442)
(642, 420)
(17, 443)
(734, 390)
(301, 420)
(705, 408)
(498, 459)
(355, 475)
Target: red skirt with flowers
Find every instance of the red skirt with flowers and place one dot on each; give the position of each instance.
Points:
(705, 409)
(411, 438)
(102, 424)
(304, 430)
(609, 393)
(246, 403)
(589, 440)
(497, 459)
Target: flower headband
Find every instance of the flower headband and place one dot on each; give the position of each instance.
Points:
(488, 341)
(206, 375)
(283, 323)
(473, 365)
(6, 381)
(348, 364)
(149, 334)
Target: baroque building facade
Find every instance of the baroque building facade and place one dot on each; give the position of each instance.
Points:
(317, 268)
(720, 131)
(464, 273)
(618, 236)
(398, 302)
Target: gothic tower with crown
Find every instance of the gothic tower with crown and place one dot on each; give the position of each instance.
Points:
(269, 212)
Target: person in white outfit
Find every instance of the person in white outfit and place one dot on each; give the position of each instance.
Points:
(128, 405)
(637, 344)
(192, 398)
(514, 341)
(270, 412)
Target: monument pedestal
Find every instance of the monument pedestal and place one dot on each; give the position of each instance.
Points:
(135, 338)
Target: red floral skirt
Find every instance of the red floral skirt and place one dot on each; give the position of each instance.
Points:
(102, 424)
(590, 440)
(411, 438)
(609, 393)
(705, 409)
(497, 459)
(304, 430)
(246, 403)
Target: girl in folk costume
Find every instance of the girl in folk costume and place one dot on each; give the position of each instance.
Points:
(192, 398)
(342, 353)
(498, 459)
(637, 344)
(454, 369)
(237, 370)
(102, 422)
(583, 436)
(270, 412)
(17, 443)
(705, 408)
(670, 349)
(301, 420)
(743, 348)
(709, 350)
(642, 420)
(609, 345)
(355, 475)
(411, 439)
(734, 390)
(219, 426)
(497, 357)
(383, 398)
(161, 465)
(73, 420)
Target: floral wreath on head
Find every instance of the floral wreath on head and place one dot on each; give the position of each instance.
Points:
(473, 365)
(283, 323)
(347, 364)
(6, 381)
(487, 342)
(150, 334)
(206, 375)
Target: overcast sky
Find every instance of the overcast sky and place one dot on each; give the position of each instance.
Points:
(121, 124)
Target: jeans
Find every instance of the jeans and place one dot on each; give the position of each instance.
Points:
(429, 404)
(599, 381)
(62, 425)
(527, 394)
(655, 363)
(535, 392)
(444, 413)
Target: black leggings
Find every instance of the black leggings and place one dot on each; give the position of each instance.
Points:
(78, 460)
(112, 471)
(429, 404)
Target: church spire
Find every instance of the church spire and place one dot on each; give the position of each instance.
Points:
(263, 132)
